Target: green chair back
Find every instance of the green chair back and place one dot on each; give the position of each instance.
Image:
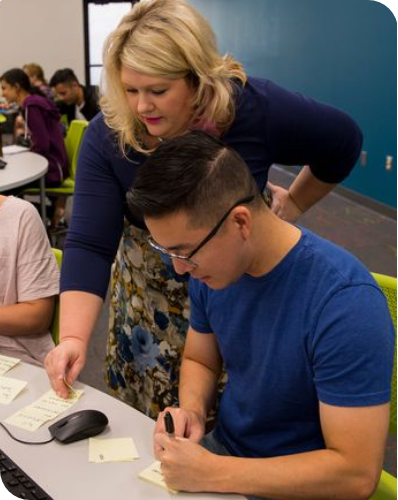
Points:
(73, 142)
(54, 328)
(389, 286)
(387, 489)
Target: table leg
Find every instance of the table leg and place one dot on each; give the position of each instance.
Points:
(43, 201)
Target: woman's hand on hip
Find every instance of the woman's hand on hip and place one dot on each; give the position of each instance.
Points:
(283, 204)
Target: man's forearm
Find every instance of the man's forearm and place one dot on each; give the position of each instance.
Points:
(197, 387)
(320, 475)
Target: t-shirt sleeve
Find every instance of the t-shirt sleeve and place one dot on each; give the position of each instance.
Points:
(97, 220)
(198, 299)
(37, 268)
(303, 131)
(353, 348)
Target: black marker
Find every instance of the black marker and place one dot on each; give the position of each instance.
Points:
(169, 424)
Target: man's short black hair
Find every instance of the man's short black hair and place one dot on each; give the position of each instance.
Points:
(195, 173)
(63, 76)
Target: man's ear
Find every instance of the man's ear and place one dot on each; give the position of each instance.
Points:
(243, 219)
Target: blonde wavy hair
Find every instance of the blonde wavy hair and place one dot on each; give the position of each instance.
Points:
(35, 70)
(167, 39)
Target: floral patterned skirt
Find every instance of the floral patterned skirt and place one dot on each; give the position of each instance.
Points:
(148, 322)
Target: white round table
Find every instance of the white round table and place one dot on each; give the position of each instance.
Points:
(21, 169)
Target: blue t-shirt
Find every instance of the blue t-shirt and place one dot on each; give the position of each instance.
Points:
(315, 328)
(272, 125)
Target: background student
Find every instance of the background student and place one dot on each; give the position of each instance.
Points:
(42, 131)
(37, 79)
(74, 100)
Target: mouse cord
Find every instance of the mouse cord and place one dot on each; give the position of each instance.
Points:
(24, 442)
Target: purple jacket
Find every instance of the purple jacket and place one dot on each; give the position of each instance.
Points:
(42, 118)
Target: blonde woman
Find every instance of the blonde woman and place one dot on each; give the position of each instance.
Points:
(163, 76)
(37, 79)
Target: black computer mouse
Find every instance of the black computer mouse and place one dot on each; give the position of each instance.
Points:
(80, 425)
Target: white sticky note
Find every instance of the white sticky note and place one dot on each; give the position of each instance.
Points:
(153, 474)
(6, 363)
(9, 389)
(46, 408)
(112, 450)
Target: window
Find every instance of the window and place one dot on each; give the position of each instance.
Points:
(100, 18)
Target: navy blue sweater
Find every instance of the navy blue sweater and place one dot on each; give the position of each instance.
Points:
(272, 125)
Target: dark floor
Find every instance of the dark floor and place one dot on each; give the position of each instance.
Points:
(364, 232)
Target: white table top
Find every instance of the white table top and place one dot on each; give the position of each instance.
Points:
(21, 169)
(63, 471)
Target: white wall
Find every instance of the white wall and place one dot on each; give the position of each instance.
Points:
(47, 32)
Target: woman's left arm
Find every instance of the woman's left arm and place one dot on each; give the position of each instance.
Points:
(305, 191)
(303, 131)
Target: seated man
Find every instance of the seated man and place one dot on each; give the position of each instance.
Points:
(75, 101)
(29, 280)
(300, 325)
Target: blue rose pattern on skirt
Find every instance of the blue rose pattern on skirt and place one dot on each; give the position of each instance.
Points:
(148, 324)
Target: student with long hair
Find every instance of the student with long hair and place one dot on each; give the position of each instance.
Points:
(41, 126)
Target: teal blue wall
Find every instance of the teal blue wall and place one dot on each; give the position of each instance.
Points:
(342, 52)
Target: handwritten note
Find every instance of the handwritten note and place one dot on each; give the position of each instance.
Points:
(44, 409)
(112, 450)
(6, 363)
(9, 389)
(153, 474)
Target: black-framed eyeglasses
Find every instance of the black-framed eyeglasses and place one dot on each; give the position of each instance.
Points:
(187, 258)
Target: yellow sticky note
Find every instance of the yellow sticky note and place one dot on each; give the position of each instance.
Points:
(71, 389)
(6, 363)
(42, 410)
(153, 474)
(9, 389)
(112, 450)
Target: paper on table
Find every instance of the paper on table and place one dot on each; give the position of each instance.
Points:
(112, 450)
(153, 474)
(14, 149)
(6, 363)
(45, 408)
(9, 389)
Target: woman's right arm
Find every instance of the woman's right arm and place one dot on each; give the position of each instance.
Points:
(90, 248)
(79, 312)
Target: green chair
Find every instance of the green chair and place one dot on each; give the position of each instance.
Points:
(73, 142)
(387, 489)
(54, 328)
